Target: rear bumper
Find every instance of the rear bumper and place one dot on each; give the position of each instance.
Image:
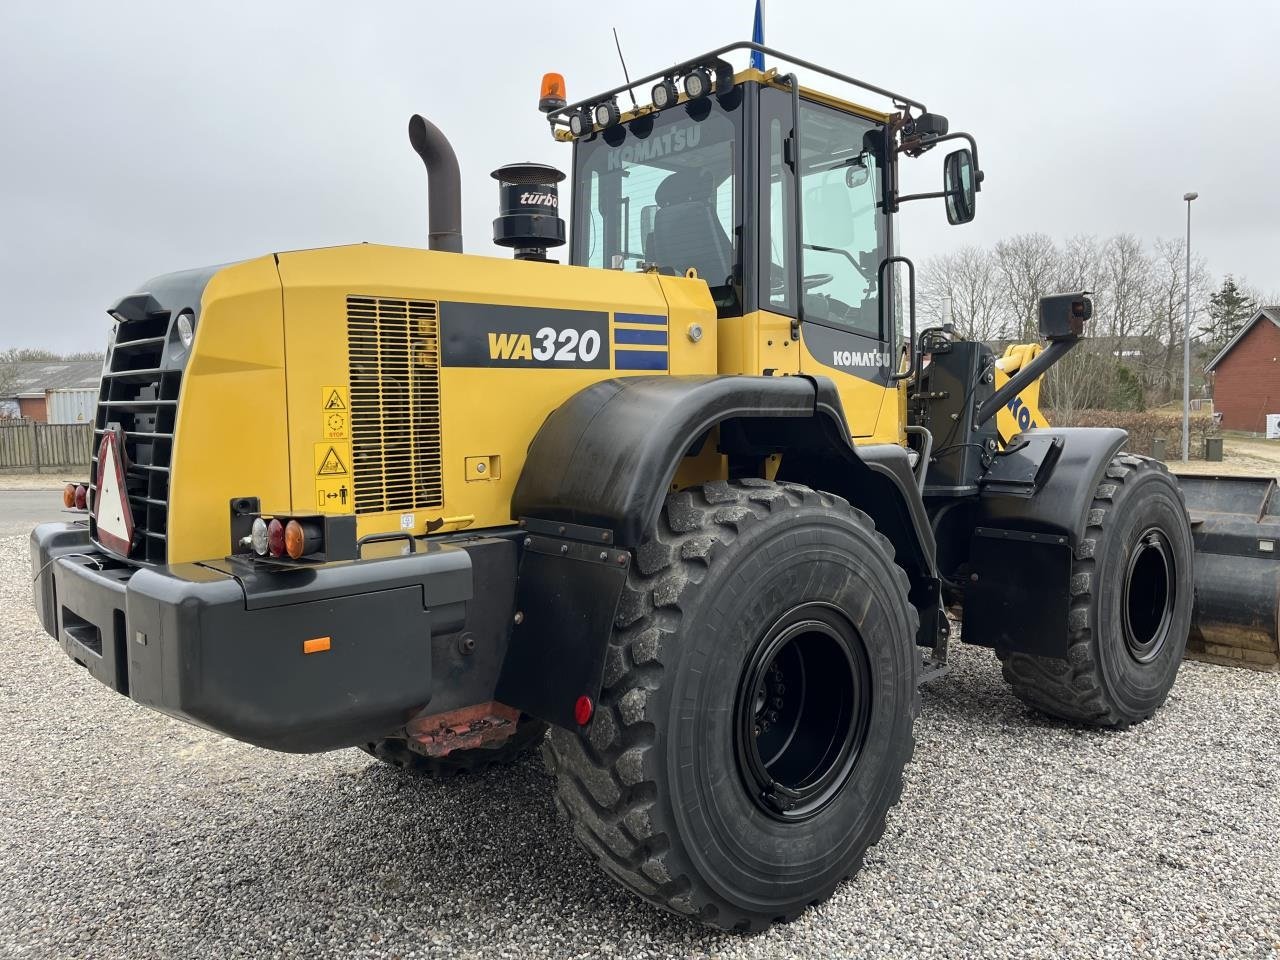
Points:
(221, 644)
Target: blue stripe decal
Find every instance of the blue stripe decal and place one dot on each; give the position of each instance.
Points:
(653, 337)
(639, 360)
(640, 318)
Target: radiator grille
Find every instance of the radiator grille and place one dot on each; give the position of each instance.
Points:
(140, 394)
(394, 351)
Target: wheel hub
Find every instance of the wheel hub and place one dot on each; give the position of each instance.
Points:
(803, 709)
(1150, 592)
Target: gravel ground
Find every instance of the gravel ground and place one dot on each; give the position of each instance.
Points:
(125, 834)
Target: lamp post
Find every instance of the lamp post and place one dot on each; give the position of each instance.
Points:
(1186, 344)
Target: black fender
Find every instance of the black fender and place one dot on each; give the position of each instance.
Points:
(1061, 504)
(607, 456)
(599, 470)
(1018, 591)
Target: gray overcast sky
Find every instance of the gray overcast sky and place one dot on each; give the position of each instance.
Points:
(140, 138)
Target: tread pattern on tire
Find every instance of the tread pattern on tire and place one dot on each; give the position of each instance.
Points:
(600, 785)
(397, 752)
(1072, 689)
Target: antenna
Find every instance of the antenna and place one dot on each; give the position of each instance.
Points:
(626, 76)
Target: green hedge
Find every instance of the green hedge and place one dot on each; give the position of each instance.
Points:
(1145, 427)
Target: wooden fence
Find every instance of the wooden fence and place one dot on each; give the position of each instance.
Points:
(31, 445)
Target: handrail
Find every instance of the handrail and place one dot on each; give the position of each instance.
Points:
(561, 116)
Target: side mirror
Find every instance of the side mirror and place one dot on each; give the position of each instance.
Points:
(959, 185)
(857, 174)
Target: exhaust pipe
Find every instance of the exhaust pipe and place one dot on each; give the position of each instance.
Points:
(444, 185)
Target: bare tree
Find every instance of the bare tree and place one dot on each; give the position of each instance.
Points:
(1128, 271)
(1027, 265)
(969, 278)
(1167, 311)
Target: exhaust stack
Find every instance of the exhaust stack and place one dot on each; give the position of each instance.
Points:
(444, 185)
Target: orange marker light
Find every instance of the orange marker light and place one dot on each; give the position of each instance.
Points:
(302, 538)
(552, 96)
(316, 645)
(69, 495)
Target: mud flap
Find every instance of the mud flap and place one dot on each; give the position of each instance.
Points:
(1018, 596)
(565, 604)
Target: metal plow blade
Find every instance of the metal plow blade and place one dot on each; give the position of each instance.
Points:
(1235, 525)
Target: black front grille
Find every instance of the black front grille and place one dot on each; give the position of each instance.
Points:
(140, 396)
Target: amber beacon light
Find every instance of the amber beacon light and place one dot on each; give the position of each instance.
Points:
(552, 96)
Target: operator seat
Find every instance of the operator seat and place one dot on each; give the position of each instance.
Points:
(687, 232)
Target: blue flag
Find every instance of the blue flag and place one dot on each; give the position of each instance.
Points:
(757, 36)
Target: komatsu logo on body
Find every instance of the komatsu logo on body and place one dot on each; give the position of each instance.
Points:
(658, 145)
(1021, 412)
(860, 358)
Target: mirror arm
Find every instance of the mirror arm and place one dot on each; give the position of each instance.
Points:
(924, 196)
(977, 167)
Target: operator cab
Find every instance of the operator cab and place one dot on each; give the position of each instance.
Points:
(743, 178)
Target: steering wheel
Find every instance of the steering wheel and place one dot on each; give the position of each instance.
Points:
(814, 280)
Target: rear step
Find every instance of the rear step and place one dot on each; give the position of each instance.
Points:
(1235, 526)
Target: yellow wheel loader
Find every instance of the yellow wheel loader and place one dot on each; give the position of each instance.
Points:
(692, 499)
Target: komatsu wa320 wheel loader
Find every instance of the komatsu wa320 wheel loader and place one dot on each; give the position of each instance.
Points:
(693, 499)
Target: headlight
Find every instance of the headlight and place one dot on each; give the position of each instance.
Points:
(580, 123)
(697, 83)
(607, 114)
(664, 94)
(186, 332)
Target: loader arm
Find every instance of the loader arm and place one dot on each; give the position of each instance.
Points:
(1023, 411)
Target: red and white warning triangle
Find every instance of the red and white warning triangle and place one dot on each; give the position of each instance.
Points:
(115, 519)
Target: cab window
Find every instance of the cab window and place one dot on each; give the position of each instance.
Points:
(661, 192)
(844, 228)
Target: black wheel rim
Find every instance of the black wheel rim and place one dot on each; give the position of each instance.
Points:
(1150, 588)
(802, 711)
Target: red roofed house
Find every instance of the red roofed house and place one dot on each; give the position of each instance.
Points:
(1246, 374)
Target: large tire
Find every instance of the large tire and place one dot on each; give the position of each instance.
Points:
(663, 787)
(397, 752)
(1131, 599)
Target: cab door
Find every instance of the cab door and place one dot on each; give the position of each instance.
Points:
(845, 238)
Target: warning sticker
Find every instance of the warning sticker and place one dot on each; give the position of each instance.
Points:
(333, 496)
(331, 460)
(334, 410)
(335, 425)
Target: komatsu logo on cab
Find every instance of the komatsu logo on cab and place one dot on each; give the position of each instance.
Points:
(659, 145)
(859, 358)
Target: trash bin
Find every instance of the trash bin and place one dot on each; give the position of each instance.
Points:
(1157, 447)
(1213, 449)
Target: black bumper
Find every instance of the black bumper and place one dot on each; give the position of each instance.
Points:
(221, 644)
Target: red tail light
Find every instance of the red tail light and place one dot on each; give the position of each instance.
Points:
(275, 538)
(81, 497)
